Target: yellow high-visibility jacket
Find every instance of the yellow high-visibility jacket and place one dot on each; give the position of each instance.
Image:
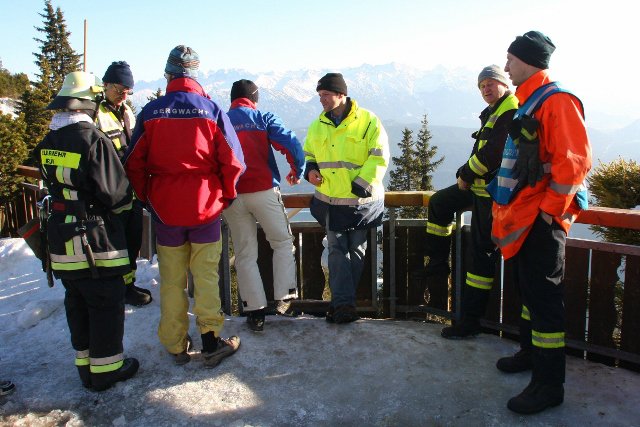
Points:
(353, 158)
(118, 129)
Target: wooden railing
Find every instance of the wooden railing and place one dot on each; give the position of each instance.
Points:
(603, 309)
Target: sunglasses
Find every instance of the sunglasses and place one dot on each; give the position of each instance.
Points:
(122, 91)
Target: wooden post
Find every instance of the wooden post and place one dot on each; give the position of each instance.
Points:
(84, 55)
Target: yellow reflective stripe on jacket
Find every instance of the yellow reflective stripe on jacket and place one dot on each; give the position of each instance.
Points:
(476, 166)
(78, 261)
(509, 238)
(345, 201)
(547, 339)
(565, 188)
(338, 165)
(479, 282)
(121, 209)
(100, 365)
(108, 123)
(439, 230)
(478, 187)
(525, 313)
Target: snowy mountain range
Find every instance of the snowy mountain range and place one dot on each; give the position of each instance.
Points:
(400, 96)
(395, 93)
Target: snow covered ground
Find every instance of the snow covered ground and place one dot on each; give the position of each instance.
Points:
(301, 372)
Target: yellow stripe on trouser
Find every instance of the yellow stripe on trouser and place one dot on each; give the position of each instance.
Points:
(439, 230)
(102, 369)
(480, 282)
(525, 313)
(173, 263)
(82, 358)
(547, 339)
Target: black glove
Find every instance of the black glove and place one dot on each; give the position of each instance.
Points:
(359, 191)
(528, 168)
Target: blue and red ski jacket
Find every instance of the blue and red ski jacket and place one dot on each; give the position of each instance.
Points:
(185, 158)
(258, 132)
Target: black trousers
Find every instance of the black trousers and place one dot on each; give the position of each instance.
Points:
(538, 272)
(95, 314)
(442, 207)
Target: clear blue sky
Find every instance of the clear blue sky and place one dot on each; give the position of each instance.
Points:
(597, 42)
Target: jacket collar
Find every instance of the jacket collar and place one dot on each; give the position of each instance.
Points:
(186, 84)
(524, 91)
(243, 102)
(489, 110)
(352, 109)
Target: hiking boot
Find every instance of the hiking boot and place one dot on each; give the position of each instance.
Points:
(85, 375)
(464, 329)
(134, 296)
(183, 357)
(519, 362)
(537, 397)
(345, 314)
(104, 380)
(225, 348)
(6, 387)
(283, 307)
(255, 320)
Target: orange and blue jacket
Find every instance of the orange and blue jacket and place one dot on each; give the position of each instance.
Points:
(564, 145)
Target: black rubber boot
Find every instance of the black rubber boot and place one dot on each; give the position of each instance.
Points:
(105, 380)
(537, 397)
(467, 328)
(519, 362)
(133, 296)
(85, 375)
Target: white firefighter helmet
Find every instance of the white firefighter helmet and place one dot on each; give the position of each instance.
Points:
(79, 91)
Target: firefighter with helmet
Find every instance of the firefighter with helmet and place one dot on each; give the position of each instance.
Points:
(86, 237)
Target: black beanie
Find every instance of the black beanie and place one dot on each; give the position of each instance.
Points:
(119, 72)
(244, 89)
(333, 82)
(533, 48)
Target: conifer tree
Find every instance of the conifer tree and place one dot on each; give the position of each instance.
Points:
(32, 106)
(157, 94)
(425, 154)
(13, 152)
(55, 48)
(402, 178)
(130, 104)
(424, 165)
(12, 85)
(55, 60)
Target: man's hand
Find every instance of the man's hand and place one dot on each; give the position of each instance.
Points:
(463, 185)
(315, 177)
(292, 179)
(528, 168)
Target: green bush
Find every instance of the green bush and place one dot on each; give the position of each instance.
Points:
(616, 185)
